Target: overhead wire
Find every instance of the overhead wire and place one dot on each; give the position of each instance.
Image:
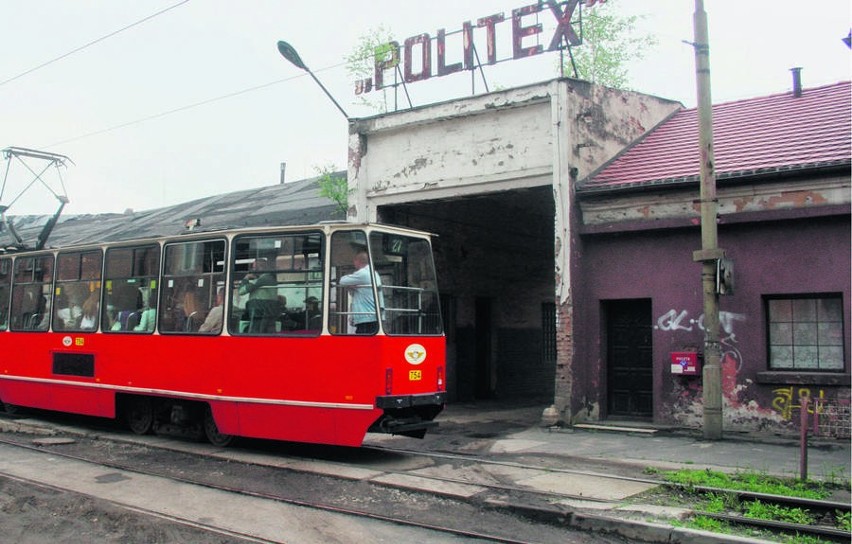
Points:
(163, 113)
(188, 107)
(102, 38)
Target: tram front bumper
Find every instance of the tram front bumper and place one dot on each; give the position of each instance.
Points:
(410, 401)
(408, 415)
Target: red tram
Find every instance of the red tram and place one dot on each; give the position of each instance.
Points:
(311, 334)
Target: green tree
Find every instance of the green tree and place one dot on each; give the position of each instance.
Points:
(334, 186)
(610, 44)
(373, 46)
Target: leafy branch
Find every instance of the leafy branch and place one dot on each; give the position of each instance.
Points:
(334, 186)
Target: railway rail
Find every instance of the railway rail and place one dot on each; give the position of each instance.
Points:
(499, 529)
(822, 510)
(384, 458)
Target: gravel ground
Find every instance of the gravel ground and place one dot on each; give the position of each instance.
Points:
(42, 515)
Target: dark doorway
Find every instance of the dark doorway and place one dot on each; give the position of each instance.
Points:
(483, 348)
(629, 359)
(497, 273)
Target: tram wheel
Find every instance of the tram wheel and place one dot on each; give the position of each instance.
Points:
(140, 415)
(12, 409)
(211, 431)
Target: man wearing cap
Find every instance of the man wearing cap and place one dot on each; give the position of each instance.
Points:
(313, 315)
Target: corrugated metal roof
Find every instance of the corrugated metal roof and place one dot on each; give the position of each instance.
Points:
(753, 136)
(295, 203)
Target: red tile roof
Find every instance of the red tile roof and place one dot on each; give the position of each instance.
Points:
(750, 137)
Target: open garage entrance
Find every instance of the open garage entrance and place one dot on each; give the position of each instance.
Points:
(494, 254)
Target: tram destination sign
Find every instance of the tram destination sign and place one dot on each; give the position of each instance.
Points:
(547, 25)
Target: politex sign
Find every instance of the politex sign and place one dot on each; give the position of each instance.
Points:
(525, 29)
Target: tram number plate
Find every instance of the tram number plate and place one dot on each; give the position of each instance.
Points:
(415, 375)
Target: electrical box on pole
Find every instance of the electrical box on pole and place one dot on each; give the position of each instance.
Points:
(725, 276)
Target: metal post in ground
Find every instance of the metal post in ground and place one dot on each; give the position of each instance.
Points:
(803, 437)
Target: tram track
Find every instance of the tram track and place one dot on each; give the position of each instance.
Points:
(523, 466)
(406, 520)
(373, 460)
(484, 482)
(824, 510)
(194, 525)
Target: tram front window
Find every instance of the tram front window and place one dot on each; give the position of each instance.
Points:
(408, 284)
(397, 268)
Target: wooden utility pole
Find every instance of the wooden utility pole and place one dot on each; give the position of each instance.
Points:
(710, 254)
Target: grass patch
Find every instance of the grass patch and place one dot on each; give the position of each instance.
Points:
(748, 481)
(704, 523)
(761, 510)
(843, 520)
(718, 503)
(726, 501)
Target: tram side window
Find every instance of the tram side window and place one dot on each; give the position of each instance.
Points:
(277, 284)
(5, 291)
(77, 294)
(130, 286)
(193, 276)
(31, 293)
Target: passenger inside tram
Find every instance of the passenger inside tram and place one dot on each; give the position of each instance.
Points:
(194, 311)
(149, 314)
(262, 309)
(89, 319)
(125, 299)
(213, 321)
(69, 301)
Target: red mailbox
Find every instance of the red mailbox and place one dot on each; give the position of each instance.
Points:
(685, 363)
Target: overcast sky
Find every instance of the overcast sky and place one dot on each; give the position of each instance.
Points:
(196, 100)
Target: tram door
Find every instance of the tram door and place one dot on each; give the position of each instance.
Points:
(629, 359)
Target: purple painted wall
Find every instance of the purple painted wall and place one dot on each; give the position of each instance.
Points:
(804, 256)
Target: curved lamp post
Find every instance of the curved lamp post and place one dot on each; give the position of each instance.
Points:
(288, 52)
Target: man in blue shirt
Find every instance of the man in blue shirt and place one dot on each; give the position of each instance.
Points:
(363, 308)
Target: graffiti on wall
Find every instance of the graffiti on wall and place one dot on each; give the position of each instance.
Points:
(673, 321)
(680, 321)
(784, 401)
(830, 412)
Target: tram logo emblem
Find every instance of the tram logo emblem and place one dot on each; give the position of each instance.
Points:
(415, 354)
(66, 341)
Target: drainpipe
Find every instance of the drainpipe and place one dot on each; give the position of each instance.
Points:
(710, 253)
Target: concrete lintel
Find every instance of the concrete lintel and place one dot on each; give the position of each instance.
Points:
(448, 188)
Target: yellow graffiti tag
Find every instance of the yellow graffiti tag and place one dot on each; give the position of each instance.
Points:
(783, 401)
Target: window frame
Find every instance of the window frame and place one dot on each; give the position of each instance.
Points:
(6, 274)
(81, 275)
(110, 276)
(313, 287)
(816, 297)
(217, 276)
(24, 280)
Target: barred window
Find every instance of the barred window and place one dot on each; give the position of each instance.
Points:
(805, 333)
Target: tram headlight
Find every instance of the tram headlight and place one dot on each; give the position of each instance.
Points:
(441, 385)
(388, 381)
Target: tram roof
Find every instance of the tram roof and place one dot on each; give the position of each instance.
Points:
(294, 203)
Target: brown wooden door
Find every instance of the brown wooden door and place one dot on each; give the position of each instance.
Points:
(629, 359)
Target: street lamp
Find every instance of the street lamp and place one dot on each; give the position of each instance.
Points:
(288, 52)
